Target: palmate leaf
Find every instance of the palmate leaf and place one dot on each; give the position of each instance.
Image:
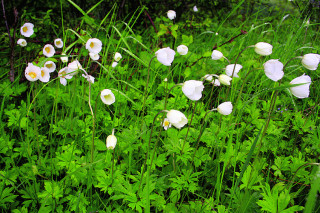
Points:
(7, 197)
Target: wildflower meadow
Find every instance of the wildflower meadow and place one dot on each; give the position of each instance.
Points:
(191, 106)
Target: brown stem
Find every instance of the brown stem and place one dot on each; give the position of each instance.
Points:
(154, 27)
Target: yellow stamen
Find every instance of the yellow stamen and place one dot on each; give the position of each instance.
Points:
(58, 42)
(48, 65)
(166, 123)
(107, 96)
(91, 44)
(42, 73)
(47, 49)
(24, 29)
(33, 75)
(62, 74)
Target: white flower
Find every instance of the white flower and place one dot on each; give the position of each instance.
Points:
(273, 69)
(27, 29)
(165, 56)
(45, 74)
(216, 82)
(117, 56)
(177, 118)
(193, 89)
(64, 59)
(301, 91)
(107, 97)
(171, 14)
(165, 80)
(182, 49)
(94, 56)
(195, 9)
(263, 48)
(111, 141)
(74, 67)
(89, 78)
(208, 77)
(32, 72)
(114, 64)
(225, 108)
(216, 55)
(58, 43)
(229, 70)
(48, 50)
(224, 79)
(50, 65)
(22, 42)
(166, 124)
(94, 45)
(311, 61)
(64, 75)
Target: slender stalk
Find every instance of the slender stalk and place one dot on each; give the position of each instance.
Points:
(166, 100)
(112, 167)
(93, 123)
(185, 138)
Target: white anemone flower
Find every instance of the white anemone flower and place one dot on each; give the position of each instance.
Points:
(208, 77)
(45, 74)
(64, 59)
(229, 70)
(311, 61)
(117, 57)
(301, 91)
(273, 69)
(114, 64)
(216, 55)
(193, 89)
(107, 97)
(195, 9)
(182, 49)
(94, 56)
(58, 43)
(166, 124)
(216, 82)
(27, 29)
(177, 118)
(111, 141)
(225, 108)
(263, 48)
(48, 50)
(94, 45)
(32, 72)
(165, 56)
(64, 75)
(224, 79)
(89, 78)
(22, 42)
(50, 65)
(74, 67)
(171, 14)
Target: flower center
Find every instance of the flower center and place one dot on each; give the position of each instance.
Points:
(107, 97)
(62, 74)
(166, 123)
(91, 44)
(47, 49)
(58, 42)
(42, 73)
(48, 65)
(25, 29)
(33, 75)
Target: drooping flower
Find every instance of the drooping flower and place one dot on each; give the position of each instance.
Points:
(263, 48)
(48, 50)
(111, 141)
(208, 77)
(229, 70)
(117, 57)
(216, 82)
(22, 42)
(310, 61)
(224, 79)
(74, 67)
(94, 45)
(107, 97)
(216, 55)
(64, 75)
(94, 56)
(171, 14)
(166, 124)
(50, 65)
(165, 56)
(177, 118)
(64, 59)
(44, 74)
(301, 91)
(195, 9)
(225, 108)
(182, 49)
(193, 89)
(89, 78)
(32, 72)
(27, 29)
(273, 69)
(114, 64)
(58, 43)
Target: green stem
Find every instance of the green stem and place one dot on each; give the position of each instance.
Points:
(166, 100)
(185, 138)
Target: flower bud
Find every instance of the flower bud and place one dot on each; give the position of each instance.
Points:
(111, 142)
(263, 48)
(224, 79)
